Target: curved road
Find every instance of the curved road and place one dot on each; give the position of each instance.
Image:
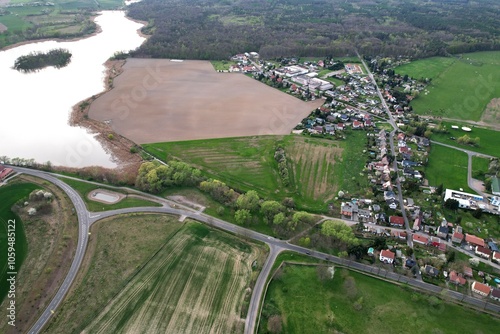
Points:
(86, 219)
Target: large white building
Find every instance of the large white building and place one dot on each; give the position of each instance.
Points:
(465, 200)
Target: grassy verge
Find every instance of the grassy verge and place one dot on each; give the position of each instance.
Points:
(355, 303)
(84, 188)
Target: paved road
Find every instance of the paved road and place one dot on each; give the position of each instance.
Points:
(83, 228)
(86, 219)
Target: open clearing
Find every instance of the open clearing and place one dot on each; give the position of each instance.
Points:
(158, 100)
(318, 167)
(355, 303)
(196, 283)
(461, 87)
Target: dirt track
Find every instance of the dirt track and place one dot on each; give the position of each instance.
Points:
(157, 100)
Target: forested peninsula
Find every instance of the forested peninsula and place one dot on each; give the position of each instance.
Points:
(37, 60)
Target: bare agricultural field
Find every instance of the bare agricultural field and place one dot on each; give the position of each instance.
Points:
(195, 284)
(492, 113)
(159, 100)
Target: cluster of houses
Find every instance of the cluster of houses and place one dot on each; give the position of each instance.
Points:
(245, 62)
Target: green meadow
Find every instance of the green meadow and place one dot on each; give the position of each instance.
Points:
(318, 168)
(461, 86)
(354, 303)
(488, 144)
(447, 166)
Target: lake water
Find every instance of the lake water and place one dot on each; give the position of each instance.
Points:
(35, 107)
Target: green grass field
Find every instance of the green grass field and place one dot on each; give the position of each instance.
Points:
(489, 139)
(447, 166)
(480, 167)
(195, 284)
(84, 188)
(460, 88)
(222, 65)
(355, 303)
(9, 195)
(318, 167)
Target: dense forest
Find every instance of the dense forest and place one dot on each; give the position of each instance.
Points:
(38, 60)
(216, 29)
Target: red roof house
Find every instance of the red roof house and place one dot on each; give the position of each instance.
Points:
(483, 252)
(386, 256)
(474, 241)
(457, 279)
(397, 221)
(420, 239)
(481, 288)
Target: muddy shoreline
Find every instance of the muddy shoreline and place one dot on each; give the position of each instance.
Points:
(116, 145)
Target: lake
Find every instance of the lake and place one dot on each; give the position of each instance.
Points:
(35, 107)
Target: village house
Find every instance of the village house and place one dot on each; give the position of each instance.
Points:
(442, 232)
(431, 271)
(495, 257)
(456, 278)
(480, 288)
(467, 272)
(397, 221)
(495, 294)
(483, 252)
(399, 234)
(420, 239)
(386, 256)
(474, 241)
(457, 238)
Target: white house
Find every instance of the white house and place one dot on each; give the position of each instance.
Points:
(386, 256)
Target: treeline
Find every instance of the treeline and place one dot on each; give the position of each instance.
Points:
(38, 60)
(205, 29)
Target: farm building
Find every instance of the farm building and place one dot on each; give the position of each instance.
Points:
(465, 200)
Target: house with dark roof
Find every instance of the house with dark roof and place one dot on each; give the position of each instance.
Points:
(442, 232)
(483, 252)
(480, 288)
(495, 294)
(431, 271)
